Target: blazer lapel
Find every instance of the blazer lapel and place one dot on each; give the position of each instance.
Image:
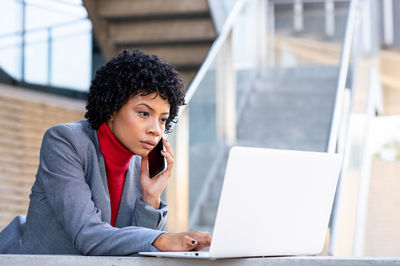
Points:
(104, 203)
(129, 194)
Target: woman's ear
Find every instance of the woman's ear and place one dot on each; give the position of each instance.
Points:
(110, 123)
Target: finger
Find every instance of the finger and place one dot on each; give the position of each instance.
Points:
(168, 147)
(207, 238)
(201, 246)
(188, 243)
(170, 160)
(167, 156)
(203, 239)
(203, 235)
(144, 168)
(168, 171)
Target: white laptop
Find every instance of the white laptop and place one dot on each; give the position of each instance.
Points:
(273, 203)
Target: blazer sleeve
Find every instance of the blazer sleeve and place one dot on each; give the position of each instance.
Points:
(61, 174)
(146, 216)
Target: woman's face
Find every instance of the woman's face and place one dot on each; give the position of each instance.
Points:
(140, 123)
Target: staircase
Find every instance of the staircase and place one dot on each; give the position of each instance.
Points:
(179, 31)
(288, 108)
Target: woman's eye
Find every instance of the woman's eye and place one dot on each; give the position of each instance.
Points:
(163, 120)
(144, 114)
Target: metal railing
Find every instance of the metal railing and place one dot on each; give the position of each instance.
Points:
(358, 23)
(343, 75)
(298, 12)
(337, 110)
(342, 106)
(223, 43)
(214, 50)
(47, 44)
(220, 112)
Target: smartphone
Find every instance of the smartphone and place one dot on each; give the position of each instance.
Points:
(157, 162)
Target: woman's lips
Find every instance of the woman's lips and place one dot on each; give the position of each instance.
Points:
(148, 145)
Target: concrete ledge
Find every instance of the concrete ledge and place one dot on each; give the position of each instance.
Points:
(45, 260)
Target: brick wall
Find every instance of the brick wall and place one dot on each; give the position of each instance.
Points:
(24, 117)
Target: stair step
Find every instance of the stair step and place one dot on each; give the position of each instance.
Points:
(163, 43)
(282, 103)
(290, 113)
(305, 73)
(183, 28)
(299, 96)
(161, 31)
(157, 17)
(193, 54)
(149, 8)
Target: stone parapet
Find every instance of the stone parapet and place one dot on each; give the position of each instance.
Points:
(43, 260)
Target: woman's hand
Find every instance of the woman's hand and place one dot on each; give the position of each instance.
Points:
(183, 241)
(153, 187)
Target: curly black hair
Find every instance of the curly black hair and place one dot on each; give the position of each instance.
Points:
(129, 74)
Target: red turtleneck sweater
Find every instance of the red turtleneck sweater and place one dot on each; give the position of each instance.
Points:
(117, 159)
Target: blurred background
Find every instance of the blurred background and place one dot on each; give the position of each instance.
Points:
(314, 75)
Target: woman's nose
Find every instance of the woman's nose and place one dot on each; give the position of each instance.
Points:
(154, 127)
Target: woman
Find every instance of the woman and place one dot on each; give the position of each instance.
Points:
(92, 194)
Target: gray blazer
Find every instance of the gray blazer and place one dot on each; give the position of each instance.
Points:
(69, 210)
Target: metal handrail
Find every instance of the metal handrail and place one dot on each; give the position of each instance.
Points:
(352, 23)
(343, 71)
(194, 86)
(49, 8)
(58, 25)
(212, 54)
